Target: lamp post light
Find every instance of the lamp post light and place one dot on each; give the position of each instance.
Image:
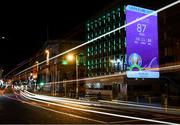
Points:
(70, 57)
(47, 56)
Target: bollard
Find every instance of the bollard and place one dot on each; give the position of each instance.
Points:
(126, 98)
(137, 99)
(165, 103)
(149, 98)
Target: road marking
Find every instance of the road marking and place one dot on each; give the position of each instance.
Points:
(104, 113)
(125, 121)
(68, 114)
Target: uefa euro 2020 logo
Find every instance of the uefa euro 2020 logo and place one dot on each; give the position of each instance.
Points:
(135, 62)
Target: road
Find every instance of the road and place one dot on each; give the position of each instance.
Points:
(16, 109)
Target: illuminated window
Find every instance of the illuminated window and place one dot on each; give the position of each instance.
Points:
(91, 27)
(92, 62)
(113, 13)
(124, 8)
(119, 13)
(109, 28)
(95, 24)
(100, 32)
(88, 50)
(92, 53)
(108, 18)
(114, 26)
(104, 59)
(104, 21)
(104, 30)
(92, 35)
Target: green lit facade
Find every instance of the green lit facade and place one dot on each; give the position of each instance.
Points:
(106, 55)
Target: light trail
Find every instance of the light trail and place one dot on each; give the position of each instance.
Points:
(76, 101)
(160, 109)
(119, 28)
(68, 114)
(102, 113)
(86, 79)
(63, 113)
(113, 75)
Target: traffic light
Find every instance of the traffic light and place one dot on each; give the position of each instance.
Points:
(41, 83)
(64, 62)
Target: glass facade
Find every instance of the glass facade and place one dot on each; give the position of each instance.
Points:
(105, 55)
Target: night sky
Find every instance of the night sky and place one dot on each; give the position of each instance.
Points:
(23, 24)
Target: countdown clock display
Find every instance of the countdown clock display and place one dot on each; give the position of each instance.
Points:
(141, 43)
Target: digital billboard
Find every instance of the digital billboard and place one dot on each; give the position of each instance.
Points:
(142, 43)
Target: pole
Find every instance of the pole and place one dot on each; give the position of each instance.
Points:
(65, 90)
(77, 84)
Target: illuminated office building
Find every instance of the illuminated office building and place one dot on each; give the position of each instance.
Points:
(106, 55)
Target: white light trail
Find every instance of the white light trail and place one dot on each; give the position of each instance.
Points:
(119, 28)
(68, 114)
(103, 113)
(142, 106)
(113, 75)
(76, 101)
(87, 79)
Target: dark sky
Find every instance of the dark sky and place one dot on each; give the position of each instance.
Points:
(24, 24)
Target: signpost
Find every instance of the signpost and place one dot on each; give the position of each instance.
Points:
(142, 43)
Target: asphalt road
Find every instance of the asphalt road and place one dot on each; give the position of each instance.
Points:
(19, 110)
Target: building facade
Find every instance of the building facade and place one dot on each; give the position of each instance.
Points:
(106, 56)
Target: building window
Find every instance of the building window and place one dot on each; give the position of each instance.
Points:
(109, 28)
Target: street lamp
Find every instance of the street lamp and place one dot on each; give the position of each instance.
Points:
(70, 57)
(47, 63)
(36, 75)
(47, 56)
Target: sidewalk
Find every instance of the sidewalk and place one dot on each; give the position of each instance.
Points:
(145, 106)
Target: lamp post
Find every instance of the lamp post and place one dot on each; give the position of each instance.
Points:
(37, 68)
(70, 57)
(47, 63)
(77, 83)
(47, 56)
